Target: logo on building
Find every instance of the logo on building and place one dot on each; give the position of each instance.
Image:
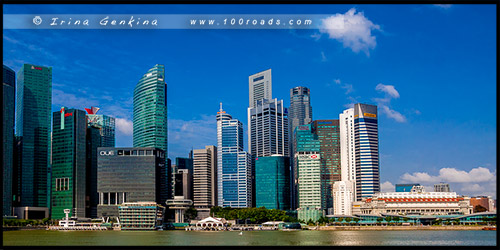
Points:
(107, 153)
(37, 20)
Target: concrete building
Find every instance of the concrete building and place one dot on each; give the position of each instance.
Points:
(342, 198)
(150, 110)
(8, 93)
(483, 201)
(415, 202)
(442, 187)
(140, 215)
(260, 87)
(205, 179)
(33, 125)
(347, 148)
(234, 167)
(272, 180)
(136, 174)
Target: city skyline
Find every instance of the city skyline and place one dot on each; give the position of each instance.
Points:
(426, 102)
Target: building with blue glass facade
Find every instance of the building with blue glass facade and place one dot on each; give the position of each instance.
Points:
(8, 93)
(234, 183)
(366, 150)
(33, 125)
(405, 187)
(150, 110)
(272, 180)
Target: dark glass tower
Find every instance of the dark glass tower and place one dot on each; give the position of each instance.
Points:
(8, 116)
(272, 180)
(33, 113)
(69, 163)
(150, 110)
(328, 133)
(299, 113)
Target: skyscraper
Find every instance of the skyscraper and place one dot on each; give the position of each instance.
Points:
(100, 133)
(150, 110)
(300, 113)
(308, 146)
(366, 150)
(234, 183)
(347, 152)
(442, 187)
(33, 117)
(68, 163)
(260, 87)
(327, 132)
(8, 116)
(205, 179)
(272, 181)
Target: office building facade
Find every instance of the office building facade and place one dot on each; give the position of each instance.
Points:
(205, 179)
(342, 198)
(442, 187)
(234, 183)
(347, 149)
(260, 87)
(299, 113)
(136, 174)
(328, 134)
(150, 110)
(33, 124)
(8, 140)
(272, 180)
(366, 150)
(69, 163)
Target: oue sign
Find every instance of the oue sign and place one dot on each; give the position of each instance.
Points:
(107, 153)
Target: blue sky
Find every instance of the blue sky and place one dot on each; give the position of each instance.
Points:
(430, 69)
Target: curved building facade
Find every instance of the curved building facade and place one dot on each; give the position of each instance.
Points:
(150, 110)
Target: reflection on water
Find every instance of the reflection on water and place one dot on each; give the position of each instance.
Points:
(248, 238)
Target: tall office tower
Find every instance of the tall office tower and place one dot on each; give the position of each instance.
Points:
(33, 118)
(342, 196)
(205, 179)
(130, 175)
(260, 87)
(100, 133)
(8, 116)
(300, 113)
(347, 152)
(272, 181)
(442, 187)
(328, 134)
(68, 163)
(150, 110)
(309, 174)
(234, 183)
(366, 150)
(185, 166)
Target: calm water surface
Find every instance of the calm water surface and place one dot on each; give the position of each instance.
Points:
(249, 238)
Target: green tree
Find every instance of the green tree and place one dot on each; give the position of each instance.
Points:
(379, 220)
(356, 220)
(191, 213)
(348, 220)
(310, 222)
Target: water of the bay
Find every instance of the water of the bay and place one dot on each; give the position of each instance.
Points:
(249, 238)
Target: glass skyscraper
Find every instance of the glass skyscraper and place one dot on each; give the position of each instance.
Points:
(33, 118)
(8, 116)
(68, 163)
(272, 180)
(234, 183)
(150, 110)
(366, 150)
(299, 113)
(328, 134)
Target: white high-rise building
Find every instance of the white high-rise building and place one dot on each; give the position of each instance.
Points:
(347, 152)
(260, 87)
(342, 198)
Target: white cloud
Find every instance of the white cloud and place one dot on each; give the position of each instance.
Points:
(477, 181)
(387, 187)
(390, 93)
(443, 6)
(352, 29)
(69, 100)
(126, 127)
(388, 89)
(348, 87)
(185, 135)
(323, 57)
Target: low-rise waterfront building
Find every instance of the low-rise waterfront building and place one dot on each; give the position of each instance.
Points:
(416, 202)
(140, 215)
